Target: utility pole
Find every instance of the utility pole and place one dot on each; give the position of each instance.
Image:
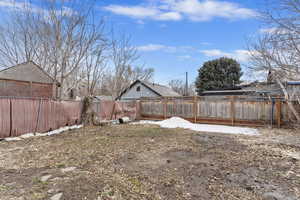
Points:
(186, 84)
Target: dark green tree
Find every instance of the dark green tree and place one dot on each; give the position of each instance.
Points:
(222, 73)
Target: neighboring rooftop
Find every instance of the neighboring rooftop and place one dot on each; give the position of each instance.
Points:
(28, 71)
(161, 89)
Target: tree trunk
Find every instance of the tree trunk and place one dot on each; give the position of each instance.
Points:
(60, 95)
(88, 115)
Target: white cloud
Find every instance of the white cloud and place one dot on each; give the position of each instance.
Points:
(194, 10)
(21, 6)
(10, 4)
(141, 12)
(240, 54)
(133, 11)
(15, 5)
(165, 48)
(274, 30)
(214, 53)
(151, 47)
(169, 16)
(267, 30)
(183, 52)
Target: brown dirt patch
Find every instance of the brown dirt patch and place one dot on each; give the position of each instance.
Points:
(148, 162)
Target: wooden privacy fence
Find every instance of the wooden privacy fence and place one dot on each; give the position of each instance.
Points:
(250, 111)
(30, 115)
(108, 110)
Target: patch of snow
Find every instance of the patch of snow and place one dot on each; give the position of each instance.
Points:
(41, 134)
(13, 139)
(63, 129)
(45, 178)
(177, 122)
(28, 135)
(54, 132)
(57, 196)
(68, 169)
(294, 155)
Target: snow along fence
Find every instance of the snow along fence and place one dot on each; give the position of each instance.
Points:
(177, 122)
(226, 110)
(34, 115)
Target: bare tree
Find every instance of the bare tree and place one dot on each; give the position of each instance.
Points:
(122, 74)
(59, 35)
(179, 86)
(94, 66)
(67, 40)
(18, 38)
(278, 50)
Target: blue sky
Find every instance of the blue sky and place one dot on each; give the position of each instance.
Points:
(175, 36)
(178, 36)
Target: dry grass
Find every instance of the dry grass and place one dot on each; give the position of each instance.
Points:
(148, 162)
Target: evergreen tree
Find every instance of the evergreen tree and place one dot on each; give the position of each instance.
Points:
(222, 73)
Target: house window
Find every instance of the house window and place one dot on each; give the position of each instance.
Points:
(138, 88)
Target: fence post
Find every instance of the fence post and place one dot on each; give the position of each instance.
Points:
(10, 118)
(38, 116)
(195, 108)
(140, 109)
(232, 109)
(113, 111)
(165, 107)
(278, 112)
(136, 110)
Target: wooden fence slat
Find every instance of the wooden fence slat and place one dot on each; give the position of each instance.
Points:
(232, 110)
(165, 107)
(195, 108)
(278, 113)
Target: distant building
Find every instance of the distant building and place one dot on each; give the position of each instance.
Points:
(140, 89)
(27, 80)
(267, 89)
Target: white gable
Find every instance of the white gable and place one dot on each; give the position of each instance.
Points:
(133, 92)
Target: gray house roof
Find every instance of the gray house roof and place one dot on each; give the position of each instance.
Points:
(28, 71)
(160, 90)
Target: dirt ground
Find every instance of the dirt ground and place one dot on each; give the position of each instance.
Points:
(148, 162)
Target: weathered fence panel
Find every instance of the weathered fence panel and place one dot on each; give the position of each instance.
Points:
(214, 108)
(152, 108)
(218, 110)
(29, 115)
(5, 118)
(179, 107)
(109, 110)
(24, 116)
